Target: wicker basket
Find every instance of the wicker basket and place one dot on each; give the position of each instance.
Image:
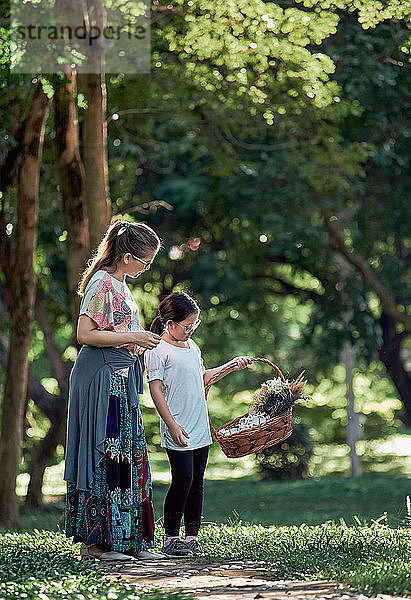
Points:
(257, 438)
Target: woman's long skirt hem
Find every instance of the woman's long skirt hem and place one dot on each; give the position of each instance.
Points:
(117, 512)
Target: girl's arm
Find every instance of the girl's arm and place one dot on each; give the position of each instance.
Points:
(176, 431)
(238, 363)
(88, 333)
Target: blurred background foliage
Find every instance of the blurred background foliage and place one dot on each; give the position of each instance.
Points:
(234, 171)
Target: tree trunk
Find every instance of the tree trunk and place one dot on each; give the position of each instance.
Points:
(7, 263)
(390, 355)
(71, 173)
(72, 182)
(60, 369)
(94, 136)
(43, 456)
(385, 296)
(94, 151)
(10, 165)
(48, 403)
(24, 285)
(347, 356)
(353, 418)
(46, 449)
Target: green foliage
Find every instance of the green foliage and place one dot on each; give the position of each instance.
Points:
(390, 455)
(290, 459)
(242, 41)
(373, 559)
(45, 566)
(375, 399)
(266, 180)
(255, 113)
(370, 12)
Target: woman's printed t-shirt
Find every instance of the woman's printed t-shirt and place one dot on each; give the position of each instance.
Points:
(181, 371)
(111, 305)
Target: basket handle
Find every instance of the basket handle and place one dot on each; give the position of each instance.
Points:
(229, 368)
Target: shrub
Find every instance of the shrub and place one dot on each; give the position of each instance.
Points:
(290, 459)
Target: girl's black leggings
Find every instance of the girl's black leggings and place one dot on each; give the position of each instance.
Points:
(185, 496)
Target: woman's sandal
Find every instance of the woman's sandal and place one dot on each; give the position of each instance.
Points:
(109, 556)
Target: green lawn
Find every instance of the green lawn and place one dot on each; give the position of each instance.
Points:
(385, 457)
(313, 501)
(354, 531)
(374, 560)
(45, 565)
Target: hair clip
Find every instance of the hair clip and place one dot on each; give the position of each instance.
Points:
(125, 225)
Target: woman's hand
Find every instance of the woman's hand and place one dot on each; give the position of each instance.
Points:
(178, 433)
(241, 362)
(146, 339)
(88, 333)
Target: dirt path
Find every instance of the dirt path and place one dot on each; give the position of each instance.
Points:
(227, 580)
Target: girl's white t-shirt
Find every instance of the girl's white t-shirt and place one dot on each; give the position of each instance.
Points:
(181, 371)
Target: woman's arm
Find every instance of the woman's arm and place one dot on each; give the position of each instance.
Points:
(238, 363)
(176, 431)
(88, 333)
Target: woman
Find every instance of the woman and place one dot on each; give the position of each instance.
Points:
(109, 495)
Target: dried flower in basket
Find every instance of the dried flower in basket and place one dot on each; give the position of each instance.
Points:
(275, 396)
(246, 422)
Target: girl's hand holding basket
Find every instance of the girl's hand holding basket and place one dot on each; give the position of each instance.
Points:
(240, 362)
(268, 421)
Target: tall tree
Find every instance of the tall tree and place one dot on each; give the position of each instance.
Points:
(72, 186)
(94, 133)
(72, 183)
(94, 154)
(23, 295)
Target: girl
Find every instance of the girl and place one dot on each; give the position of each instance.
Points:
(176, 376)
(109, 505)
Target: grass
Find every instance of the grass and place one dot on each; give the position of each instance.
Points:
(373, 560)
(388, 457)
(302, 530)
(45, 566)
(311, 502)
(319, 528)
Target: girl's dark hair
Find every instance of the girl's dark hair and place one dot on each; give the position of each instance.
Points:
(121, 237)
(175, 307)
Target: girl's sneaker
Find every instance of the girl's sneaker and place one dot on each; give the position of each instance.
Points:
(194, 547)
(177, 548)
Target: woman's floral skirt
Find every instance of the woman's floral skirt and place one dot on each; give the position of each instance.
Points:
(117, 513)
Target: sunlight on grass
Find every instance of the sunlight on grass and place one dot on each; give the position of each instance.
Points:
(218, 467)
(389, 456)
(43, 565)
(371, 558)
(53, 483)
